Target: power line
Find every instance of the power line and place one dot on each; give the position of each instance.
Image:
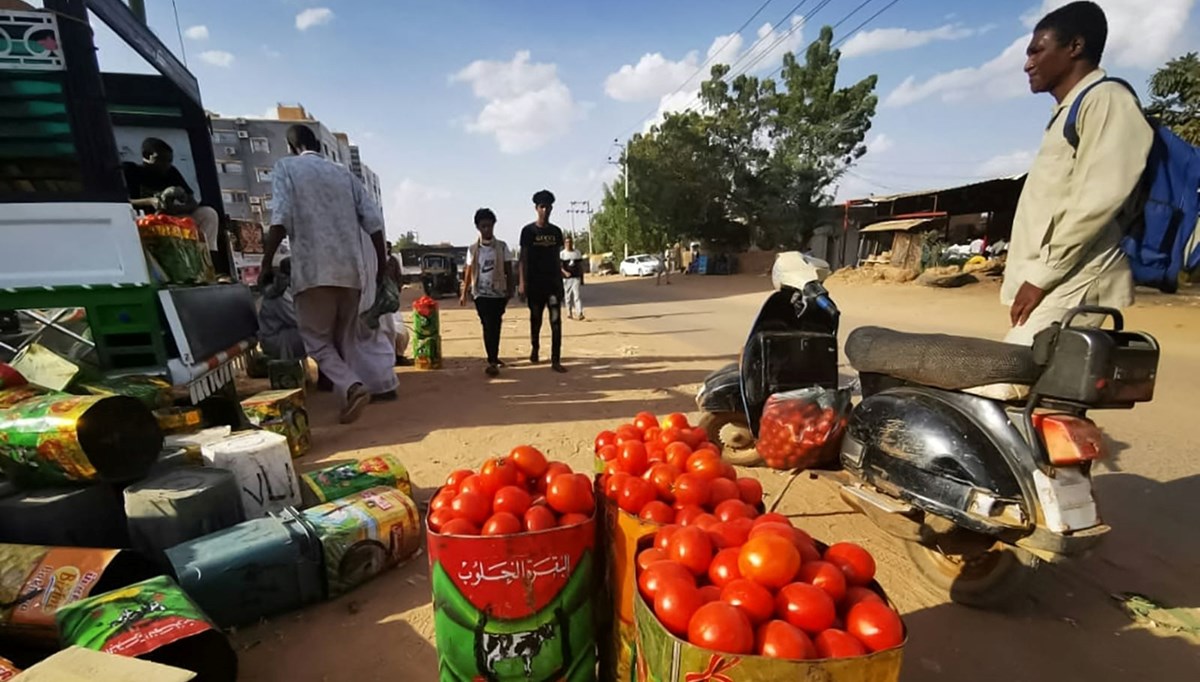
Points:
(749, 51)
(869, 20)
(852, 13)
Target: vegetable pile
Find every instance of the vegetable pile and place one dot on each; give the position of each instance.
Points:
(522, 492)
(670, 473)
(761, 586)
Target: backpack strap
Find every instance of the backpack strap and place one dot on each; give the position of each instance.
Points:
(1070, 127)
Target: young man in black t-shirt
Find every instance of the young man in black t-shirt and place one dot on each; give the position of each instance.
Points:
(541, 281)
(156, 185)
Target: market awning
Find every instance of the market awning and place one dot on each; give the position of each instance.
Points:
(896, 225)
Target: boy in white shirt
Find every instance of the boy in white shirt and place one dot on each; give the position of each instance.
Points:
(489, 280)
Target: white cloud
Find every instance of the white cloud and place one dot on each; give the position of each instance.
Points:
(420, 207)
(1003, 165)
(880, 144)
(196, 33)
(892, 39)
(273, 54)
(527, 105)
(1141, 35)
(219, 58)
(313, 16)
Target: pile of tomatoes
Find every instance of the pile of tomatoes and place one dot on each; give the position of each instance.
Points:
(670, 473)
(761, 586)
(522, 492)
(797, 432)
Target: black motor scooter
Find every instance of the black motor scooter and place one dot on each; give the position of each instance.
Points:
(792, 344)
(979, 453)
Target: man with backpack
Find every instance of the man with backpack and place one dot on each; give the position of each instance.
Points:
(1082, 194)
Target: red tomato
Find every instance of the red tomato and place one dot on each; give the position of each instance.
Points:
(727, 470)
(628, 432)
(474, 484)
(799, 538)
(703, 520)
(806, 607)
(655, 452)
(856, 562)
(573, 519)
(753, 599)
(632, 458)
(684, 516)
(442, 499)
(675, 602)
(724, 567)
(612, 467)
(657, 511)
(833, 643)
(778, 639)
(471, 507)
(645, 421)
(512, 499)
(676, 421)
(706, 465)
(769, 560)
(662, 476)
(608, 453)
(649, 556)
(459, 527)
(663, 536)
(876, 625)
(497, 473)
(733, 508)
(691, 489)
(678, 449)
(711, 447)
(856, 594)
(727, 535)
(693, 437)
(613, 484)
(539, 518)
(750, 490)
(669, 435)
(723, 490)
(501, 523)
(721, 627)
(691, 547)
(658, 573)
(439, 518)
(529, 460)
(677, 457)
(635, 493)
(710, 593)
(772, 517)
(568, 493)
(605, 438)
(455, 479)
(554, 469)
(826, 576)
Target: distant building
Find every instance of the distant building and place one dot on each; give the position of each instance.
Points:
(246, 150)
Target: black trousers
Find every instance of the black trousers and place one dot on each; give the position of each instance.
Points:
(491, 316)
(539, 302)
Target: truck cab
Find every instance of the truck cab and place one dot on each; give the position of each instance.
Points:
(69, 241)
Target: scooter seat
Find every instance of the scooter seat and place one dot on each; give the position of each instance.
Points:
(953, 363)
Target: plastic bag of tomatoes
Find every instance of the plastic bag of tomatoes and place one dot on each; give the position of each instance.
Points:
(803, 429)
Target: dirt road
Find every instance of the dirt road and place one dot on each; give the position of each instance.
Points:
(648, 347)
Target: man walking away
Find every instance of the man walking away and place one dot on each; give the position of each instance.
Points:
(488, 280)
(323, 210)
(1077, 199)
(572, 272)
(541, 278)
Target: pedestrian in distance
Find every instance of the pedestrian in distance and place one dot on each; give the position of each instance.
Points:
(489, 281)
(541, 281)
(333, 227)
(1078, 198)
(572, 273)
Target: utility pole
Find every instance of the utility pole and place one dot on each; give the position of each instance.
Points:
(623, 162)
(586, 210)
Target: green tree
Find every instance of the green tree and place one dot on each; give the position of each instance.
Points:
(407, 240)
(1175, 96)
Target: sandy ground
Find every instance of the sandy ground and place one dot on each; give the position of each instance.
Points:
(648, 347)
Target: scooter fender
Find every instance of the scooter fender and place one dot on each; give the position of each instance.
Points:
(950, 454)
(721, 391)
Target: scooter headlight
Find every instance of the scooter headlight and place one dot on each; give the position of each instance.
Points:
(853, 452)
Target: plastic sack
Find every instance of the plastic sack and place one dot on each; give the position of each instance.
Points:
(803, 429)
(387, 301)
(174, 245)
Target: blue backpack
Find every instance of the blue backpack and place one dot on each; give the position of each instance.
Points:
(1170, 191)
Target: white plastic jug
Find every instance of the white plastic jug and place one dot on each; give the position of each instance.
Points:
(262, 463)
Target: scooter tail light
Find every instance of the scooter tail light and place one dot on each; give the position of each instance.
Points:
(1070, 440)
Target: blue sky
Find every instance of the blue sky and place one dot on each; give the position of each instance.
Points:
(459, 104)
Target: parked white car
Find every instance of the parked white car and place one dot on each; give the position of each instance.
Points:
(643, 265)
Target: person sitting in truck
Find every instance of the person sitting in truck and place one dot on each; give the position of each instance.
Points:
(156, 185)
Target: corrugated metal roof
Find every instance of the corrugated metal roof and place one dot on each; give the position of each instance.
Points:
(884, 198)
(896, 225)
